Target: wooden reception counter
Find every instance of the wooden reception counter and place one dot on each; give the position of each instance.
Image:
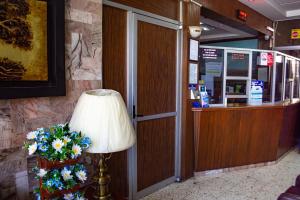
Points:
(236, 136)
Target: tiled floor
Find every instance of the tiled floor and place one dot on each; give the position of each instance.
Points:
(263, 183)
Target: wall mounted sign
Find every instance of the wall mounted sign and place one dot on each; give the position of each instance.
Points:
(208, 53)
(256, 92)
(242, 15)
(263, 59)
(32, 48)
(270, 59)
(295, 34)
(238, 56)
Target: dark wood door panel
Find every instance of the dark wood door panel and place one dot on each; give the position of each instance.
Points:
(114, 77)
(156, 71)
(114, 49)
(155, 151)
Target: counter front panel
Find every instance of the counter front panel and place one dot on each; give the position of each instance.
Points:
(230, 137)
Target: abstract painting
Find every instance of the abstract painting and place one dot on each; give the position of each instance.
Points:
(29, 35)
(23, 40)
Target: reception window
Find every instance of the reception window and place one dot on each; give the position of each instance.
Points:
(237, 64)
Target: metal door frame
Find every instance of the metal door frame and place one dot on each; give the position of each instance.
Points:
(133, 18)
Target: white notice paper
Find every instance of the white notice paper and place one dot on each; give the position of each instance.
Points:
(194, 50)
(193, 73)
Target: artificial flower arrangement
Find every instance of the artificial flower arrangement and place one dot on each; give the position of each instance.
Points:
(56, 143)
(61, 179)
(58, 150)
(68, 196)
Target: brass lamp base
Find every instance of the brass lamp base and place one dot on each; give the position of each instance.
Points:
(103, 179)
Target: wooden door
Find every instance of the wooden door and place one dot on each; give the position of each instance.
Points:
(155, 103)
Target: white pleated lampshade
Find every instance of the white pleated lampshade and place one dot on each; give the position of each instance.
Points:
(102, 116)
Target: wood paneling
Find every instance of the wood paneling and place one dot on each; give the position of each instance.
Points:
(156, 151)
(290, 129)
(156, 70)
(226, 137)
(114, 49)
(283, 33)
(166, 8)
(228, 8)
(114, 77)
(191, 17)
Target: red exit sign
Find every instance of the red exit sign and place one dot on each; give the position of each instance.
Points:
(242, 15)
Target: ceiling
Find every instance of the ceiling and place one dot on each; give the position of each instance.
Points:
(277, 10)
(216, 31)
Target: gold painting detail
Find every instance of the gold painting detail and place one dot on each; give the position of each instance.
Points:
(23, 40)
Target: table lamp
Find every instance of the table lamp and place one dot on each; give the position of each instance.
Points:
(102, 116)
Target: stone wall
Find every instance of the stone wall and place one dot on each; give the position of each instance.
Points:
(83, 72)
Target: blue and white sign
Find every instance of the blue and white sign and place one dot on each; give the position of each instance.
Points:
(256, 93)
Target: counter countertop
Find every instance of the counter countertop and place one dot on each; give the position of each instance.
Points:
(249, 107)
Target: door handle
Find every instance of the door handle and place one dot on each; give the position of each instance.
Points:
(134, 113)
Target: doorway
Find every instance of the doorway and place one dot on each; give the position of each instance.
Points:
(154, 88)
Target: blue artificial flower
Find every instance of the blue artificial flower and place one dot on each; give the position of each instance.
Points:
(85, 142)
(38, 196)
(43, 147)
(58, 184)
(47, 134)
(49, 183)
(74, 134)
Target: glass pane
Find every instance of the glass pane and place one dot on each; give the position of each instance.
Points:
(231, 102)
(279, 71)
(289, 76)
(296, 80)
(236, 87)
(237, 64)
(262, 70)
(211, 71)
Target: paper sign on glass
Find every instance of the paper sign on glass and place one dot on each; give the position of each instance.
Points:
(193, 76)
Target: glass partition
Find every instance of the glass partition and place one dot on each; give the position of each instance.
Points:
(237, 64)
(228, 73)
(296, 94)
(236, 87)
(212, 72)
(262, 70)
(279, 62)
(289, 78)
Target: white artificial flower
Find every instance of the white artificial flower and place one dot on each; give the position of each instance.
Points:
(76, 150)
(66, 140)
(31, 135)
(66, 174)
(42, 173)
(32, 148)
(57, 145)
(81, 175)
(69, 196)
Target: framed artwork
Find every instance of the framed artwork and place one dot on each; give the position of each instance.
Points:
(32, 51)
